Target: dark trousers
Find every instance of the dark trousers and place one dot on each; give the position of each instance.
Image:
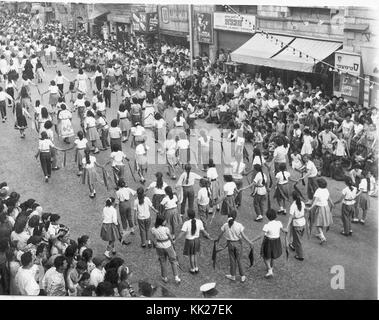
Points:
(72, 63)
(235, 255)
(347, 215)
(104, 138)
(3, 109)
(297, 234)
(144, 227)
(259, 204)
(170, 93)
(98, 83)
(45, 158)
(107, 98)
(126, 214)
(239, 184)
(188, 193)
(60, 87)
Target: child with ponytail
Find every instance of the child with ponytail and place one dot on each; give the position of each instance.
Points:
(281, 191)
(260, 192)
(191, 229)
(348, 198)
(233, 232)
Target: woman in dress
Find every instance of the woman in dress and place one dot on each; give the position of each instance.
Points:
(110, 228)
(21, 119)
(307, 143)
(158, 187)
(311, 173)
(98, 77)
(271, 248)
(66, 129)
(260, 192)
(42, 118)
(40, 71)
(183, 149)
(81, 79)
(169, 146)
(54, 93)
(233, 232)
(90, 176)
(81, 144)
(191, 230)
(91, 132)
(228, 203)
(123, 120)
(159, 130)
(141, 160)
(366, 185)
(319, 211)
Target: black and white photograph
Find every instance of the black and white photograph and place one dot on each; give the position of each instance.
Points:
(176, 151)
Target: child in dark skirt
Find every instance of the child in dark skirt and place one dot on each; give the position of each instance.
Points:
(191, 229)
(271, 246)
(21, 123)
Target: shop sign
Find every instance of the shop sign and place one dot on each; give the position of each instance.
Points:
(152, 21)
(174, 18)
(233, 22)
(348, 63)
(204, 27)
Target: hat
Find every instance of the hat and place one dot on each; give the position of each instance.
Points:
(209, 289)
(98, 260)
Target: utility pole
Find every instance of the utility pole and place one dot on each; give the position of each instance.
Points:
(190, 36)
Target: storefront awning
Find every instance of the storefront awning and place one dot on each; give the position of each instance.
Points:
(96, 14)
(263, 51)
(370, 61)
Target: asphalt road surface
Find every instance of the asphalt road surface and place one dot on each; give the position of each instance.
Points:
(310, 279)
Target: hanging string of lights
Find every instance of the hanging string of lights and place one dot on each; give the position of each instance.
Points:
(295, 51)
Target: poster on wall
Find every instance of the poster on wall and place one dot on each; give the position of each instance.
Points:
(204, 27)
(233, 22)
(174, 18)
(152, 21)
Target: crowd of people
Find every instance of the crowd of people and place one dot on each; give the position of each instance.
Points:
(296, 131)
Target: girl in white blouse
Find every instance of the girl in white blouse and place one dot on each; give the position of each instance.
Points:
(348, 198)
(321, 216)
(296, 223)
(110, 229)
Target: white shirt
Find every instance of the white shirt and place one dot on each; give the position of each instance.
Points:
(44, 145)
(261, 189)
(237, 169)
(298, 216)
(90, 165)
(110, 215)
(96, 276)
(257, 160)
(117, 158)
(187, 229)
(169, 203)
(156, 190)
(212, 173)
(311, 169)
(349, 195)
(202, 197)
(191, 179)
(280, 154)
(81, 144)
(280, 179)
(183, 144)
(161, 233)
(143, 210)
(233, 233)
(272, 229)
(124, 194)
(229, 188)
(321, 197)
(25, 281)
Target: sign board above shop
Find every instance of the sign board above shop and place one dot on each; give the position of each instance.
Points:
(174, 18)
(348, 62)
(233, 22)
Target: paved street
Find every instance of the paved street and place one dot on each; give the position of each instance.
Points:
(65, 195)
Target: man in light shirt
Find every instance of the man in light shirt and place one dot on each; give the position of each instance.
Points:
(26, 276)
(169, 82)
